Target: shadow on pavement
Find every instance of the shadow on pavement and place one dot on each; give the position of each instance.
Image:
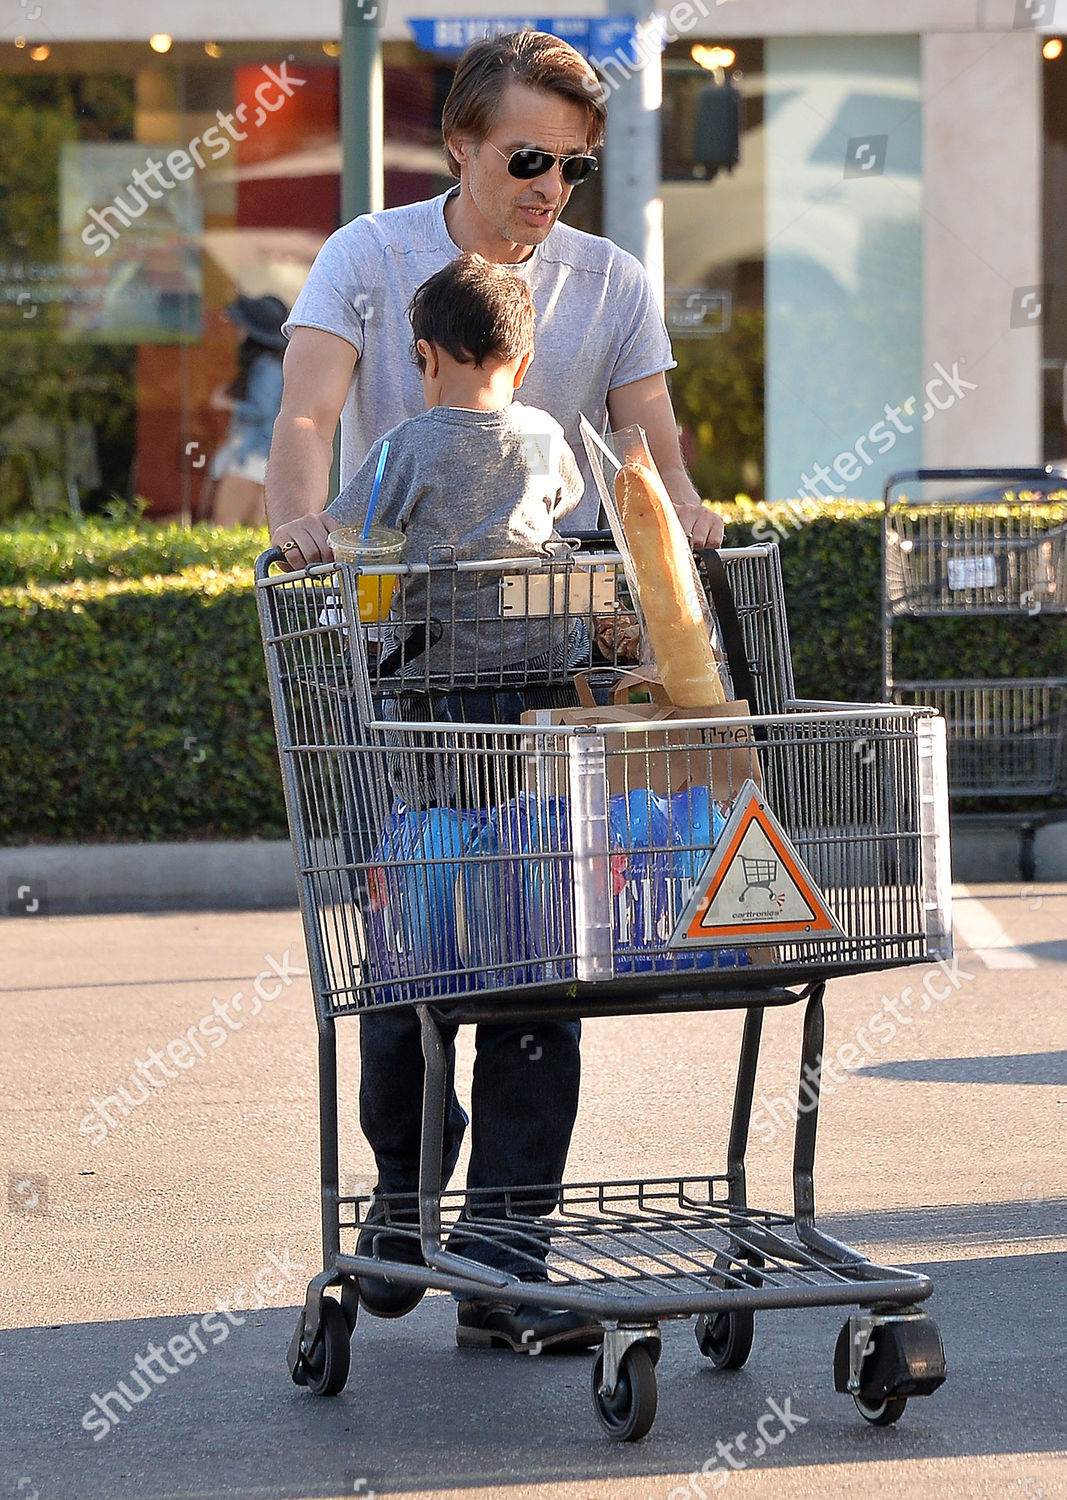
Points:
(419, 1414)
(1039, 1068)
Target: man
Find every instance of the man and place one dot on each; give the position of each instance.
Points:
(524, 114)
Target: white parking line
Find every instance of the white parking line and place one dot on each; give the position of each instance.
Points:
(978, 930)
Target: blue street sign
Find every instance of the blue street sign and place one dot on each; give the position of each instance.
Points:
(593, 38)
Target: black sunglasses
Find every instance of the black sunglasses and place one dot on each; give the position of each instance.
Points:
(529, 162)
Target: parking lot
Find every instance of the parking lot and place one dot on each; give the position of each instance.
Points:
(192, 1199)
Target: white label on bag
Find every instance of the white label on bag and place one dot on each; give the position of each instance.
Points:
(331, 612)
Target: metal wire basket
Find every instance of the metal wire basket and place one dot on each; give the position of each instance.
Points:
(966, 545)
(442, 853)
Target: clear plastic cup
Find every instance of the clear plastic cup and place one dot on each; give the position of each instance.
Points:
(382, 548)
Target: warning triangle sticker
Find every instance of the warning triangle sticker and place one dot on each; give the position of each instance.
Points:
(754, 887)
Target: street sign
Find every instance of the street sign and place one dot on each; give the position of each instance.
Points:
(594, 37)
(755, 887)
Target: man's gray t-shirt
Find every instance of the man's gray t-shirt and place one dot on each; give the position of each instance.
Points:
(487, 485)
(598, 326)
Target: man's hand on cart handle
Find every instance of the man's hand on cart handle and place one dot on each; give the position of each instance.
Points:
(703, 526)
(304, 541)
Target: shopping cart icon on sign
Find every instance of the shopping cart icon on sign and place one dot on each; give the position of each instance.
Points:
(759, 873)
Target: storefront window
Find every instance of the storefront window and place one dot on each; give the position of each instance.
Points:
(794, 280)
(142, 192)
(714, 249)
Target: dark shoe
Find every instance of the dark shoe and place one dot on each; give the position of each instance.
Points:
(526, 1329)
(380, 1296)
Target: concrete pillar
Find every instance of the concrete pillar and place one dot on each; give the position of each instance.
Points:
(982, 264)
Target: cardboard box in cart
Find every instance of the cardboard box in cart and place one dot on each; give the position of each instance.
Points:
(663, 760)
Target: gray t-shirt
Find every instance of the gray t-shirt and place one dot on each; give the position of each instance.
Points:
(598, 326)
(487, 485)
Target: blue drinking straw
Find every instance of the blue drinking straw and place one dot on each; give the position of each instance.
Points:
(375, 487)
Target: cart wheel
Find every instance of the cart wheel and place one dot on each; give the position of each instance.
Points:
(326, 1367)
(726, 1337)
(629, 1412)
(881, 1413)
(296, 1360)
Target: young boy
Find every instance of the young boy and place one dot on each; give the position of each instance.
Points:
(477, 472)
(490, 478)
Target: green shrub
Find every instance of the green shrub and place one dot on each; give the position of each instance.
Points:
(831, 567)
(135, 709)
(832, 571)
(717, 392)
(63, 551)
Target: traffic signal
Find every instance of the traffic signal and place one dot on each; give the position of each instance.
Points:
(717, 128)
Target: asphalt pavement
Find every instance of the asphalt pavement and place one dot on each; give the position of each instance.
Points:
(180, 1216)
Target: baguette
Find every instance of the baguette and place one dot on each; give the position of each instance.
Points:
(669, 593)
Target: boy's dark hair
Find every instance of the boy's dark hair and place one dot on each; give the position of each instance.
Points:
(473, 309)
(531, 57)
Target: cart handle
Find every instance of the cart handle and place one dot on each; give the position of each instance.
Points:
(917, 476)
(266, 560)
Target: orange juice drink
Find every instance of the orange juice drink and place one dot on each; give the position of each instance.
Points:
(382, 548)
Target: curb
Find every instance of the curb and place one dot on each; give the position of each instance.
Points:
(1026, 849)
(72, 879)
(60, 879)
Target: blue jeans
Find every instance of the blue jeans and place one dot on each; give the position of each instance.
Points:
(524, 1099)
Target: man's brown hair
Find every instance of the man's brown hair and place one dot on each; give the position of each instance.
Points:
(473, 309)
(531, 57)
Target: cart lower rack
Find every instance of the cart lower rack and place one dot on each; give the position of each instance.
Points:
(470, 862)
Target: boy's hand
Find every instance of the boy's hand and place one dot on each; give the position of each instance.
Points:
(304, 541)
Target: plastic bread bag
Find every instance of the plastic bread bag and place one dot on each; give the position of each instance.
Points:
(677, 626)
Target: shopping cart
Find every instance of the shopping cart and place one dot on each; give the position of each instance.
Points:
(759, 875)
(960, 547)
(532, 870)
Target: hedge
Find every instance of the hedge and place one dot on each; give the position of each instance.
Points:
(135, 707)
(62, 551)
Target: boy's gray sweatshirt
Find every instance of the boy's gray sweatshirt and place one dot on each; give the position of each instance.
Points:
(489, 484)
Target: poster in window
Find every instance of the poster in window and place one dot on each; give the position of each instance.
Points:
(132, 243)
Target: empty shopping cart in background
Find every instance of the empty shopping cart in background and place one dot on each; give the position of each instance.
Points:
(960, 548)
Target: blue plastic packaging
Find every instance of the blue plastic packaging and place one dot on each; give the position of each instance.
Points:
(482, 900)
(664, 844)
(411, 917)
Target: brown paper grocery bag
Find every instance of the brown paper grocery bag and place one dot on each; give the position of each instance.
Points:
(650, 750)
